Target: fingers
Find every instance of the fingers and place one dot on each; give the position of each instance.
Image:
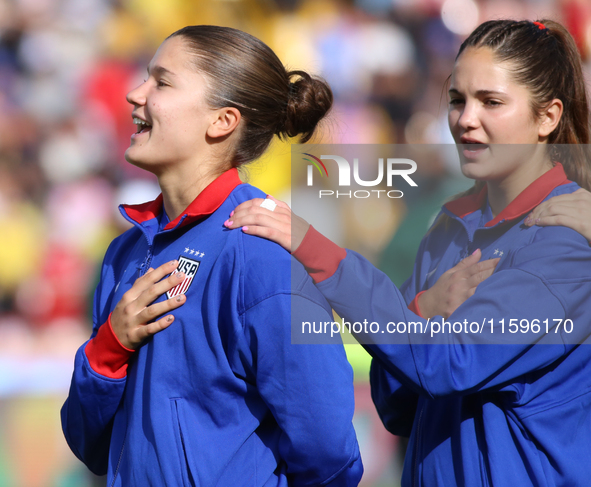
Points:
(468, 261)
(254, 220)
(569, 210)
(280, 203)
(469, 277)
(580, 200)
(481, 271)
(485, 265)
(261, 217)
(272, 225)
(134, 311)
(282, 238)
(144, 332)
(561, 219)
(576, 217)
(279, 225)
(465, 263)
(255, 216)
(555, 208)
(149, 278)
(247, 204)
(255, 205)
(151, 312)
(150, 294)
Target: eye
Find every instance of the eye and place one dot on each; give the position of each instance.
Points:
(492, 103)
(160, 83)
(456, 101)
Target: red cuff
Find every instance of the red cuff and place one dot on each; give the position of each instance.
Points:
(106, 355)
(414, 305)
(319, 255)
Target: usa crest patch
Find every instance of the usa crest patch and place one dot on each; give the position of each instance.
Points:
(189, 267)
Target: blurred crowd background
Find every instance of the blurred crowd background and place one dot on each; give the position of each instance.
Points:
(65, 68)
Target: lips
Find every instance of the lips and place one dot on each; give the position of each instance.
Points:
(472, 148)
(143, 126)
(470, 141)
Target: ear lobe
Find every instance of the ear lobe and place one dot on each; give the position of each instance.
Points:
(225, 121)
(550, 117)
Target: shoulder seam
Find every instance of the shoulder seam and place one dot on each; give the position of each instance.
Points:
(278, 293)
(547, 285)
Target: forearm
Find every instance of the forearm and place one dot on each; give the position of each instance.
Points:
(96, 391)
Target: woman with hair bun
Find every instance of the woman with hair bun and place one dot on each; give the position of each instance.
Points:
(189, 377)
(507, 403)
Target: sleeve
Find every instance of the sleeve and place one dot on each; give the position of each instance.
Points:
(396, 404)
(308, 389)
(447, 363)
(96, 389)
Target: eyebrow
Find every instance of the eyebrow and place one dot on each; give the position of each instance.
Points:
(453, 91)
(160, 70)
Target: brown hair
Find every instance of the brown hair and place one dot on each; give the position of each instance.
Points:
(245, 73)
(545, 59)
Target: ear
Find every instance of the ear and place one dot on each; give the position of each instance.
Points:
(550, 117)
(224, 122)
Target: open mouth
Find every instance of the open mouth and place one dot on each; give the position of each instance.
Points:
(474, 145)
(472, 149)
(142, 125)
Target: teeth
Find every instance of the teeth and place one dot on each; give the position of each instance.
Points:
(139, 121)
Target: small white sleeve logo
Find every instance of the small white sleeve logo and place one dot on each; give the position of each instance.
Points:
(189, 267)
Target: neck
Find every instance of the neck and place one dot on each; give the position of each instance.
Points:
(181, 187)
(503, 191)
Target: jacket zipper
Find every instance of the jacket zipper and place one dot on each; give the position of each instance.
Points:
(147, 261)
(415, 469)
(142, 270)
(119, 462)
(469, 245)
(145, 265)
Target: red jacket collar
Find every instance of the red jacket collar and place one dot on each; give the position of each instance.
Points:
(209, 200)
(525, 202)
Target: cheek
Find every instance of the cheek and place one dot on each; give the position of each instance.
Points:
(453, 115)
(516, 126)
(452, 121)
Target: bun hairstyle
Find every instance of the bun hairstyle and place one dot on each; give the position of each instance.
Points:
(309, 100)
(244, 73)
(545, 59)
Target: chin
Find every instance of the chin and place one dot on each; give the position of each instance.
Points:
(129, 157)
(136, 161)
(474, 170)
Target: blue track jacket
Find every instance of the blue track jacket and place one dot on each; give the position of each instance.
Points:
(488, 408)
(221, 397)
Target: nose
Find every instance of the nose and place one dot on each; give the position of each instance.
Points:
(468, 116)
(137, 96)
